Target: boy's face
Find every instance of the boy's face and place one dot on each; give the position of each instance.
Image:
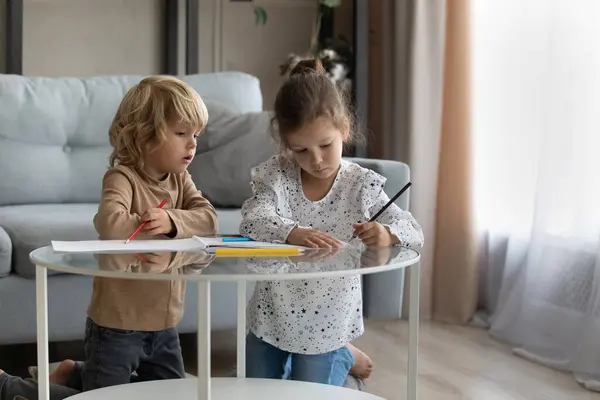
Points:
(317, 148)
(176, 153)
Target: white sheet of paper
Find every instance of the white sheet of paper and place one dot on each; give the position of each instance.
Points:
(101, 246)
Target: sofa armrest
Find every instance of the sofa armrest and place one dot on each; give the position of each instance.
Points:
(5, 253)
(396, 172)
(383, 292)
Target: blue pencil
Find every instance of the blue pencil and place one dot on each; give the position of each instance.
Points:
(236, 239)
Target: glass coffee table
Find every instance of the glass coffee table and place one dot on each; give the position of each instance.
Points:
(201, 269)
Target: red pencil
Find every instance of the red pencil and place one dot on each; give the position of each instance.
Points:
(161, 205)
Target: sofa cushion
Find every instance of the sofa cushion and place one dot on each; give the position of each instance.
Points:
(5, 253)
(232, 144)
(229, 220)
(54, 143)
(33, 226)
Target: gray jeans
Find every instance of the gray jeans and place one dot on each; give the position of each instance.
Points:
(113, 355)
(13, 387)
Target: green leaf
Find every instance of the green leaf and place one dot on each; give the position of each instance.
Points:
(314, 49)
(260, 16)
(331, 3)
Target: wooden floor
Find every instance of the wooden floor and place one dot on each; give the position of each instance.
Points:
(459, 363)
(455, 363)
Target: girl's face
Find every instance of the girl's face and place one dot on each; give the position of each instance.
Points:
(317, 147)
(176, 153)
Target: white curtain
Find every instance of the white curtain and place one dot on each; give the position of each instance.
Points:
(536, 125)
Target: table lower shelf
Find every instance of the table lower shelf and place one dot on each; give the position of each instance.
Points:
(226, 389)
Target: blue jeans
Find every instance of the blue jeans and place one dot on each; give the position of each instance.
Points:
(266, 361)
(112, 355)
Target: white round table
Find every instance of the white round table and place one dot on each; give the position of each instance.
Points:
(226, 388)
(205, 268)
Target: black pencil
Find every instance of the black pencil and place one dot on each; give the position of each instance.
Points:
(389, 203)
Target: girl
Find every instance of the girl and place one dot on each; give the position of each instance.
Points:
(309, 196)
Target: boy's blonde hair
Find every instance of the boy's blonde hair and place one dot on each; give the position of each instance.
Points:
(146, 111)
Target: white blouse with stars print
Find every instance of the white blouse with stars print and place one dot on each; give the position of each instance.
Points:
(314, 316)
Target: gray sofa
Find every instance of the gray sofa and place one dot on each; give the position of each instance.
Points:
(53, 153)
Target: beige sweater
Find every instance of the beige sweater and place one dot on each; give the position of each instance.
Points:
(145, 305)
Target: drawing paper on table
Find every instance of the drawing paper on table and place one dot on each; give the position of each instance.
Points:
(135, 246)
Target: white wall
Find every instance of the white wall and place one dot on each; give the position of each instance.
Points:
(235, 43)
(104, 37)
(92, 37)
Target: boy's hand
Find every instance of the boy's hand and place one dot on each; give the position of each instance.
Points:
(159, 222)
(157, 262)
(373, 234)
(312, 238)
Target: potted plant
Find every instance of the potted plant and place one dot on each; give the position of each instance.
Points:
(335, 53)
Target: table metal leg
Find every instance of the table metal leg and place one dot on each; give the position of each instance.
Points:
(241, 329)
(204, 340)
(413, 333)
(41, 291)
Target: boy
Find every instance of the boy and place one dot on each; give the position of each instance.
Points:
(131, 324)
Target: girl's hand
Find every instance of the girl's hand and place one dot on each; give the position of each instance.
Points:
(375, 257)
(316, 255)
(373, 234)
(159, 222)
(312, 238)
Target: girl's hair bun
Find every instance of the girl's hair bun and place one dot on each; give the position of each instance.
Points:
(310, 66)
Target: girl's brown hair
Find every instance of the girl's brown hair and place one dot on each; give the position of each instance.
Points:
(307, 95)
(141, 121)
